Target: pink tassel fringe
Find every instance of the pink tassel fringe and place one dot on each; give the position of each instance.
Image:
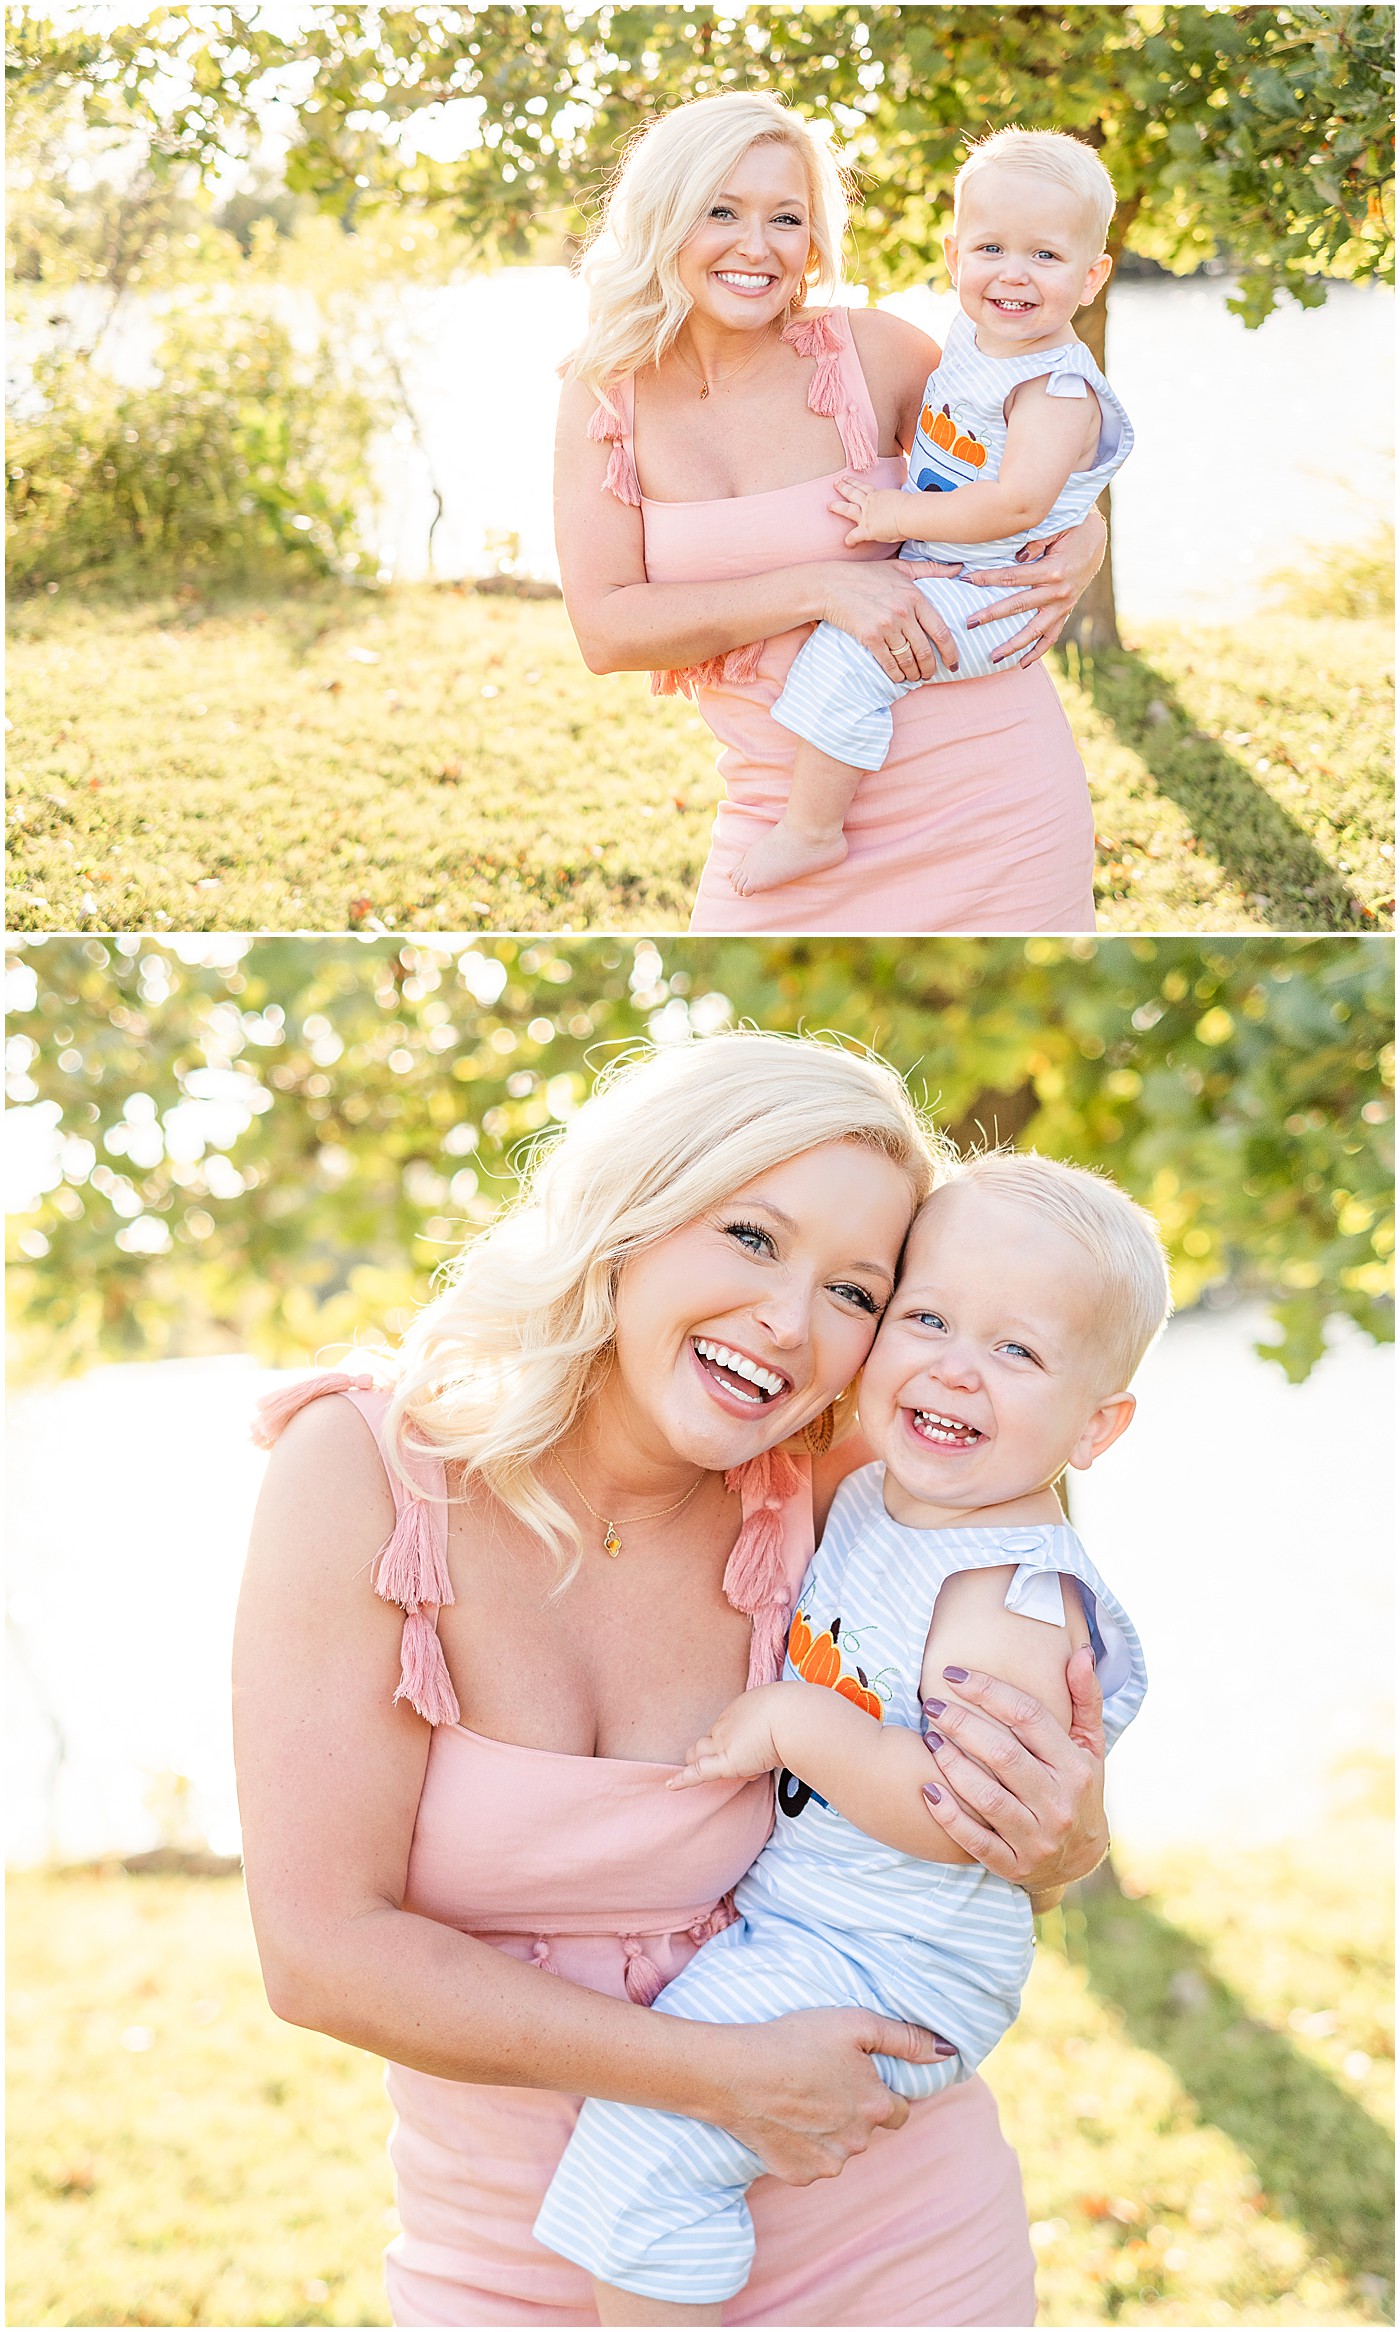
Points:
(423, 1679)
(410, 1566)
(754, 1578)
(641, 1977)
(539, 1956)
(622, 481)
(276, 1410)
(817, 336)
(732, 670)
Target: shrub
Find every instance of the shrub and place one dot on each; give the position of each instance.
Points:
(1353, 580)
(249, 453)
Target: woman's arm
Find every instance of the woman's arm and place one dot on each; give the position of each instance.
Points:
(329, 1776)
(623, 623)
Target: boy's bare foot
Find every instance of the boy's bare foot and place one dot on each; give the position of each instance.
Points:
(782, 856)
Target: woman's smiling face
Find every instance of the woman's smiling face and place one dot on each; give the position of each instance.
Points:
(746, 259)
(741, 1327)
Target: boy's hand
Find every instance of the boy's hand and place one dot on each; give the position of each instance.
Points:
(738, 1745)
(875, 512)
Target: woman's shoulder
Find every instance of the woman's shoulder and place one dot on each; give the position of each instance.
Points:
(886, 340)
(326, 1462)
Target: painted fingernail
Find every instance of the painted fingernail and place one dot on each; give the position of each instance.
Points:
(933, 1740)
(935, 1708)
(942, 2048)
(934, 1796)
(956, 1675)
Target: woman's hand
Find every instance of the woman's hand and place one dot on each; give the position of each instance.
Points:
(803, 2093)
(877, 603)
(738, 1745)
(1062, 567)
(1024, 1797)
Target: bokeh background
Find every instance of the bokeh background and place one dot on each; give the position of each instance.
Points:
(229, 1157)
(289, 286)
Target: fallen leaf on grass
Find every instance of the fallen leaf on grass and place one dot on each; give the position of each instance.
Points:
(449, 773)
(332, 687)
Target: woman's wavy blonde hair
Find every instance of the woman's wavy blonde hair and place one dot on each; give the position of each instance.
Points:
(501, 1365)
(665, 183)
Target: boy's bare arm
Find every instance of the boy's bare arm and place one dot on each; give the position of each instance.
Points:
(1047, 439)
(875, 1774)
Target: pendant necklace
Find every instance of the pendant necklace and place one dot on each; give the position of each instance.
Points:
(720, 383)
(612, 1543)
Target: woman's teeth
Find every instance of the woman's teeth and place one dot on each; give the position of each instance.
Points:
(744, 282)
(763, 1380)
(948, 1432)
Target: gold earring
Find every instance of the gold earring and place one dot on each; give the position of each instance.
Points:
(819, 1434)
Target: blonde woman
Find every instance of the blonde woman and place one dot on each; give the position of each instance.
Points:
(585, 1505)
(713, 402)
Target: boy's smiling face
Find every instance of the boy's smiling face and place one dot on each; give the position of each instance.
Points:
(1023, 257)
(987, 1377)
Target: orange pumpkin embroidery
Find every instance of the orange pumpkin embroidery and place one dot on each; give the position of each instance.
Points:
(854, 1688)
(942, 429)
(817, 1660)
(967, 449)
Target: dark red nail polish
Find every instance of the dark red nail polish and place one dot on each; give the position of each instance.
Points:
(942, 2048)
(933, 1741)
(956, 1675)
(934, 1796)
(935, 1708)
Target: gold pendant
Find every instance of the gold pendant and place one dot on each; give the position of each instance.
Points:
(704, 390)
(612, 1544)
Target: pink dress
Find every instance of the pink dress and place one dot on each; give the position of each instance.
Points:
(590, 1869)
(980, 819)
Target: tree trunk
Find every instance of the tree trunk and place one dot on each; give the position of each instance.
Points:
(1093, 625)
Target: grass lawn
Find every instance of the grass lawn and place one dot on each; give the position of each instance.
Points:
(434, 759)
(1198, 2089)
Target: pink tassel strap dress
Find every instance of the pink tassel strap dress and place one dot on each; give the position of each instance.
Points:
(589, 1868)
(980, 818)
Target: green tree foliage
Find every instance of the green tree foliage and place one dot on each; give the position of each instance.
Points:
(276, 1142)
(1265, 134)
(248, 454)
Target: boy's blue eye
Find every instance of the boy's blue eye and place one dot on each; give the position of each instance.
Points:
(1023, 1351)
(930, 1319)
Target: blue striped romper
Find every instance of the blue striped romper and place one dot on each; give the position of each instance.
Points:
(836, 693)
(829, 1918)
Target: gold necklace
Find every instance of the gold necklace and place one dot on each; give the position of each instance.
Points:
(720, 383)
(612, 1544)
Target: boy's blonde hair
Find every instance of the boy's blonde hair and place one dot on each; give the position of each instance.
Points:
(1050, 154)
(503, 1362)
(1120, 1236)
(665, 184)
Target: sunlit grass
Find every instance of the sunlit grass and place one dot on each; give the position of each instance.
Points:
(433, 759)
(1197, 2092)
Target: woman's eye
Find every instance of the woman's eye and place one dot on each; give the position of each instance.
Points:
(757, 1241)
(861, 1296)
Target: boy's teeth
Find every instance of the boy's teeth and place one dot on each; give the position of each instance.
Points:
(951, 1429)
(767, 1383)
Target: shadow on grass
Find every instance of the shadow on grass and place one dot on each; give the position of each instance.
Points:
(1256, 841)
(1319, 2155)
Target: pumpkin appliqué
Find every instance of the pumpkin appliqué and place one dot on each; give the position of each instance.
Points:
(817, 1659)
